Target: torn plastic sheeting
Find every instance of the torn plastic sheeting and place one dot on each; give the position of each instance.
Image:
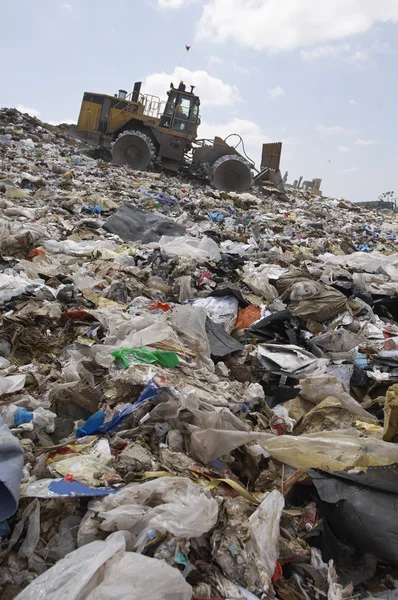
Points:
(202, 249)
(223, 311)
(84, 248)
(132, 224)
(103, 570)
(11, 464)
(249, 556)
(354, 499)
(340, 340)
(221, 343)
(172, 504)
(14, 284)
(288, 358)
(190, 324)
(317, 389)
(277, 326)
(11, 384)
(329, 450)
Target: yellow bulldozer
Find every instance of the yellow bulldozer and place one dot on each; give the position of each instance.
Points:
(140, 130)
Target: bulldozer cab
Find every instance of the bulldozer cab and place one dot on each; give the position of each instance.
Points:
(181, 112)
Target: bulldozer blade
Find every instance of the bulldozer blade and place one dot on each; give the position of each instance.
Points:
(231, 174)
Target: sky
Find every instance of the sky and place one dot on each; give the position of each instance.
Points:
(318, 75)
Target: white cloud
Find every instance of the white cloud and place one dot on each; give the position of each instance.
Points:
(259, 24)
(352, 101)
(33, 112)
(67, 121)
(343, 148)
(351, 170)
(276, 92)
(174, 3)
(215, 60)
(365, 142)
(67, 6)
(251, 133)
(326, 51)
(330, 130)
(383, 48)
(359, 56)
(211, 90)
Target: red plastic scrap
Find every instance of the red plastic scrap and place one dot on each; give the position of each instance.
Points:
(277, 573)
(247, 316)
(35, 252)
(69, 478)
(162, 305)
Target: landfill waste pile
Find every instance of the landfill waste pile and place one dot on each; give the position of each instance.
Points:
(198, 390)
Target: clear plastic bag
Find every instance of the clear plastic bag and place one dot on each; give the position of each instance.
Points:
(190, 247)
(105, 571)
(172, 504)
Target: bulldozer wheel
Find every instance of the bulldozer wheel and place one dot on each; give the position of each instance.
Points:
(134, 149)
(231, 174)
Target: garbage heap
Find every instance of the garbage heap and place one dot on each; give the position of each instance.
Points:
(204, 384)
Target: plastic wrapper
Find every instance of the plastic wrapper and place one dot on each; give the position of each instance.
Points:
(105, 571)
(172, 504)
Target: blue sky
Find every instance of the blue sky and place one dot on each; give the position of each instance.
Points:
(319, 75)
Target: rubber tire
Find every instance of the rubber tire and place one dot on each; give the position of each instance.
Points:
(134, 149)
(231, 174)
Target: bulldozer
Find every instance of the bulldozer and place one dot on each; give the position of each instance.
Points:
(139, 130)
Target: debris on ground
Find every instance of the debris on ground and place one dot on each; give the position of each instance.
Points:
(198, 389)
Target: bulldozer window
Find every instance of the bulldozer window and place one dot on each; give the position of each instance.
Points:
(182, 114)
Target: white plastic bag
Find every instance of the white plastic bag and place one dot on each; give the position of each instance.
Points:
(172, 504)
(11, 384)
(190, 247)
(105, 571)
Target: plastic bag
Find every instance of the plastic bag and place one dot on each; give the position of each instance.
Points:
(105, 571)
(186, 292)
(190, 324)
(172, 504)
(257, 280)
(317, 389)
(190, 247)
(222, 311)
